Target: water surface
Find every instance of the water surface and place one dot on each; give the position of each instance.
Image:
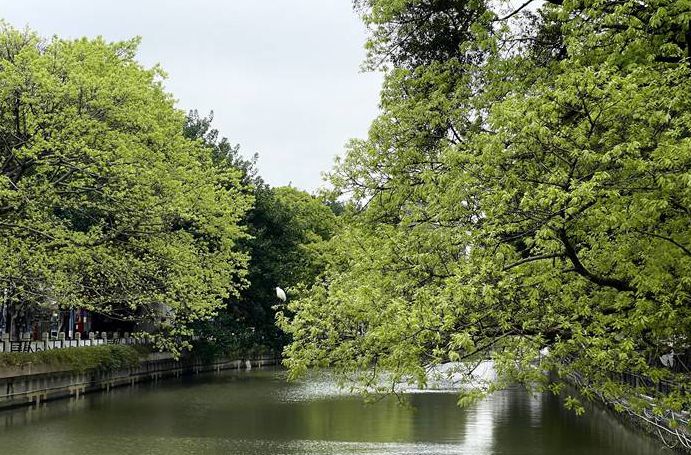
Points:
(258, 413)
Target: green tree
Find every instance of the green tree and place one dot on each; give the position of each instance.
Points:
(288, 232)
(104, 204)
(525, 186)
(287, 229)
(223, 154)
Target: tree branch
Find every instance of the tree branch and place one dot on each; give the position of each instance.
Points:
(516, 11)
(533, 259)
(669, 239)
(579, 268)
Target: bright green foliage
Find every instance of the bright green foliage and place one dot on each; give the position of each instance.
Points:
(224, 155)
(104, 203)
(527, 185)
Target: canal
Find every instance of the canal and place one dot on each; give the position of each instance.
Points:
(258, 412)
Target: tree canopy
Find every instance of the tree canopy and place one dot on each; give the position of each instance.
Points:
(287, 229)
(104, 203)
(527, 185)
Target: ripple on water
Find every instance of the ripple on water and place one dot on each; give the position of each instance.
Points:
(446, 378)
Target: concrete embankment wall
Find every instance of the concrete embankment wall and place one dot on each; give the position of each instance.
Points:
(34, 385)
(675, 437)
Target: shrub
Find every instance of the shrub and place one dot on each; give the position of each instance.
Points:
(91, 358)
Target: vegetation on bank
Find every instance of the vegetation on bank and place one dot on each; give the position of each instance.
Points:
(89, 358)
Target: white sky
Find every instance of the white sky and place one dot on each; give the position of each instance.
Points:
(282, 76)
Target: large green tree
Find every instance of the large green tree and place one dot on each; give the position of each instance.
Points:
(104, 203)
(526, 186)
(287, 229)
(288, 232)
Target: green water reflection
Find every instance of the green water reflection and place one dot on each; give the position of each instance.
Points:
(259, 413)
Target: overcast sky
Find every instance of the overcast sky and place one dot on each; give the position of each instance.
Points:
(282, 76)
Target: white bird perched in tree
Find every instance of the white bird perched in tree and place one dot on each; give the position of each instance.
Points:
(280, 293)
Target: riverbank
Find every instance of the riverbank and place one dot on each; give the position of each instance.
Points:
(670, 429)
(31, 383)
(674, 436)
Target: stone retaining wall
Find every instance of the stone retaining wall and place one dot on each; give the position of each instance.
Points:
(34, 385)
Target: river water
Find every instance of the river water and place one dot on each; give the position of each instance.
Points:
(259, 413)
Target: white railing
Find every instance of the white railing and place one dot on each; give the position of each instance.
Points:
(47, 343)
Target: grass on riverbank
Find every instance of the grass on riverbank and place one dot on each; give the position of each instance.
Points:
(88, 358)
